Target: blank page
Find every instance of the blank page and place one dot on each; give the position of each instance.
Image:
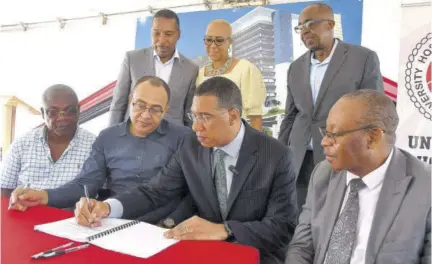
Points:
(141, 240)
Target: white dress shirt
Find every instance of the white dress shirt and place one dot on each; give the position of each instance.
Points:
(317, 72)
(232, 149)
(368, 198)
(163, 70)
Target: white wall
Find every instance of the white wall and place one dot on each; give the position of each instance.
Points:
(381, 33)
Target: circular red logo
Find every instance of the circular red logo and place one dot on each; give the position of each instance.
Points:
(418, 76)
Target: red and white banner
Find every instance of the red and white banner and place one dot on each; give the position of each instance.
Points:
(414, 100)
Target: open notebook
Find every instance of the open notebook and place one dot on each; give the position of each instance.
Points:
(124, 236)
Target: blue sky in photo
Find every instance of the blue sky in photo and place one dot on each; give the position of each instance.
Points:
(194, 24)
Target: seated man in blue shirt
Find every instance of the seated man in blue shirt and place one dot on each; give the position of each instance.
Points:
(51, 155)
(123, 156)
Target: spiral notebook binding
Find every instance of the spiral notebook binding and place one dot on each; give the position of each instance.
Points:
(111, 230)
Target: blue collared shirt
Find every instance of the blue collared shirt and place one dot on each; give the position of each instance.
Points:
(29, 160)
(317, 72)
(121, 161)
(232, 149)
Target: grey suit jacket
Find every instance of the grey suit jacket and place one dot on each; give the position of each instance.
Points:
(140, 63)
(351, 68)
(262, 201)
(401, 228)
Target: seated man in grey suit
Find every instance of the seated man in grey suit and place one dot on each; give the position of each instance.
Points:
(242, 181)
(316, 80)
(123, 156)
(368, 202)
(161, 60)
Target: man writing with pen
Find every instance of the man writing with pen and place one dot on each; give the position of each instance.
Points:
(123, 156)
(253, 204)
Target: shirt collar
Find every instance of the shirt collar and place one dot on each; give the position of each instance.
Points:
(43, 135)
(233, 148)
(161, 129)
(375, 177)
(327, 60)
(176, 55)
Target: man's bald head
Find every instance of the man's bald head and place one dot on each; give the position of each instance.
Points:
(316, 23)
(60, 110)
(321, 10)
(59, 90)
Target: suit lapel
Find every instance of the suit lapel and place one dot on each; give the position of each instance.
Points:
(176, 73)
(335, 64)
(393, 191)
(306, 78)
(246, 161)
(150, 61)
(335, 195)
(207, 179)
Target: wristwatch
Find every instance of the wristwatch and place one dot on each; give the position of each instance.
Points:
(168, 223)
(230, 237)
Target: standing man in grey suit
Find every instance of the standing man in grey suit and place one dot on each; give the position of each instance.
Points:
(242, 181)
(161, 60)
(316, 81)
(368, 202)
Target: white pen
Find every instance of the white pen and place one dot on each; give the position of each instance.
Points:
(88, 201)
(22, 191)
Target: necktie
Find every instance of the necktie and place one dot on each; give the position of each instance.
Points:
(220, 180)
(344, 232)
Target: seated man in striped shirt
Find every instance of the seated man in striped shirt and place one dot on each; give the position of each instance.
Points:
(51, 155)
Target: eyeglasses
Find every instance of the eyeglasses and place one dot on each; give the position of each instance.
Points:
(333, 136)
(309, 24)
(217, 41)
(55, 113)
(203, 118)
(153, 110)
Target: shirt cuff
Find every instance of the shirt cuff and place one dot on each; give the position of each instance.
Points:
(116, 208)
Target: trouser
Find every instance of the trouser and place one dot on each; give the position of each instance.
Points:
(304, 177)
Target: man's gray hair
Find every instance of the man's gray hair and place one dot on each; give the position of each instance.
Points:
(380, 111)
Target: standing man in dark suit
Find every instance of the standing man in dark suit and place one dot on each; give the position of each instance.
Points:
(369, 202)
(316, 80)
(242, 181)
(161, 60)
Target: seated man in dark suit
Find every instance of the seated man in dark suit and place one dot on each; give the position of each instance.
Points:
(241, 181)
(368, 202)
(125, 155)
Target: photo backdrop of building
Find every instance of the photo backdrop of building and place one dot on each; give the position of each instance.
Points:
(263, 35)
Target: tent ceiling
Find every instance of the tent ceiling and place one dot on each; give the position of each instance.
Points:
(27, 11)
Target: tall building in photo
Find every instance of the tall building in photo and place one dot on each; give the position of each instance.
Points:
(253, 39)
(284, 50)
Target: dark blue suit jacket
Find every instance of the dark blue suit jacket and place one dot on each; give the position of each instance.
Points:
(262, 206)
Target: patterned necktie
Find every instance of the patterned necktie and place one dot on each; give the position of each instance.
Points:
(344, 232)
(220, 180)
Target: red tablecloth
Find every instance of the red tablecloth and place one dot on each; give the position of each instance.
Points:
(19, 242)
